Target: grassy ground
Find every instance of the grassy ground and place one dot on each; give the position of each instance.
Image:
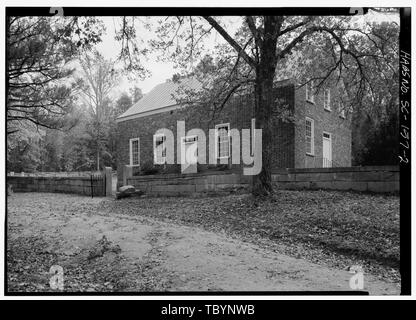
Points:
(340, 227)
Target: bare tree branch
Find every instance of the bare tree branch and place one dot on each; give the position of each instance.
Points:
(230, 40)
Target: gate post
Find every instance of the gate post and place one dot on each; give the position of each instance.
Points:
(108, 172)
(127, 173)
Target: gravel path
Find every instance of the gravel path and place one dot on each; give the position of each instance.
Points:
(150, 255)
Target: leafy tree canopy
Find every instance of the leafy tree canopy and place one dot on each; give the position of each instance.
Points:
(39, 52)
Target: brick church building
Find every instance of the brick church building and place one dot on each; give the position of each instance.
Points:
(318, 134)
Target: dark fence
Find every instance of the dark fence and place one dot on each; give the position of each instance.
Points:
(89, 185)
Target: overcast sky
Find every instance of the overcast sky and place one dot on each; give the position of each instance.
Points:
(110, 48)
(160, 71)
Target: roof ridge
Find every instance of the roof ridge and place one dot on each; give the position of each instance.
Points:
(160, 96)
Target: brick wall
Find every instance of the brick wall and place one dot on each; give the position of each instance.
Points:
(329, 121)
(238, 112)
(289, 137)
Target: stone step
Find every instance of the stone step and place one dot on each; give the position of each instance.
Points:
(128, 191)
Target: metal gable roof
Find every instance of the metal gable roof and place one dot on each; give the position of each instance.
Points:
(160, 96)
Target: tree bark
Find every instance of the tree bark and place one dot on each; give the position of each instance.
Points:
(262, 183)
(265, 66)
(264, 102)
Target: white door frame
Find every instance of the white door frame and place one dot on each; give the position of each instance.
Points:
(188, 167)
(326, 163)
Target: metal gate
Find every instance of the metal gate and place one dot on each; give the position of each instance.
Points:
(97, 185)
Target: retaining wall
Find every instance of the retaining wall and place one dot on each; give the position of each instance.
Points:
(77, 185)
(383, 179)
(176, 184)
(54, 174)
(369, 178)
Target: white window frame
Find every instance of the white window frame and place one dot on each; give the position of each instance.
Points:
(310, 97)
(155, 158)
(217, 137)
(327, 99)
(131, 151)
(341, 110)
(194, 139)
(327, 133)
(312, 153)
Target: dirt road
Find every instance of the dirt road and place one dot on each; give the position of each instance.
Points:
(46, 229)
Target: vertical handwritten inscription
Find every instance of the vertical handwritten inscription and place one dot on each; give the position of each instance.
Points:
(404, 152)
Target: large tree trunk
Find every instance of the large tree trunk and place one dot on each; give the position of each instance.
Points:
(262, 183)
